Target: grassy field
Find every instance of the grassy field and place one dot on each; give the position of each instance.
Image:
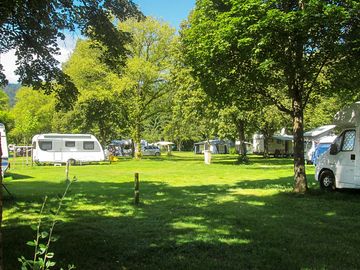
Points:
(191, 216)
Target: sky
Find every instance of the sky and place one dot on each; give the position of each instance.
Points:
(171, 11)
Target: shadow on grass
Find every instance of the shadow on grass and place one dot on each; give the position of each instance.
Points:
(9, 176)
(191, 227)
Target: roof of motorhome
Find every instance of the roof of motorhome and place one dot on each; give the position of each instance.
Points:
(63, 136)
(319, 131)
(327, 139)
(349, 116)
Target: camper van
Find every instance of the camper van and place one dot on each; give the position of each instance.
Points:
(59, 148)
(4, 149)
(339, 167)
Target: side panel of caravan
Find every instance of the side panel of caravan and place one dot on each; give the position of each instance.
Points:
(59, 148)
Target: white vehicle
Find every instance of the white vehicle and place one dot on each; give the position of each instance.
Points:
(59, 148)
(150, 150)
(313, 137)
(4, 149)
(339, 167)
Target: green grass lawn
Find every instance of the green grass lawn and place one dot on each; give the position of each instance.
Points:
(191, 216)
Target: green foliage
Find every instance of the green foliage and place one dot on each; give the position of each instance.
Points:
(143, 89)
(42, 256)
(34, 28)
(32, 114)
(4, 101)
(97, 109)
(114, 103)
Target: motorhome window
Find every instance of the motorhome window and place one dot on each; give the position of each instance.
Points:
(349, 141)
(45, 146)
(88, 146)
(69, 144)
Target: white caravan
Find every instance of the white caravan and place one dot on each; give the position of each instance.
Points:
(4, 149)
(339, 167)
(59, 148)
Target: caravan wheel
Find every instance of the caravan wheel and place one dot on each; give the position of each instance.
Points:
(72, 161)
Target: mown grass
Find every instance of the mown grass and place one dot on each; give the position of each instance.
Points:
(191, 216)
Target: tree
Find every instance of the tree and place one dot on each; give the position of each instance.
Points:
(280, 49)
(33, 29)
(96, 111)
(5, 116)
(144, 82)
(189, 111)
(32, 114)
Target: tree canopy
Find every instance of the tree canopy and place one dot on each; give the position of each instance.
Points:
(33, 29)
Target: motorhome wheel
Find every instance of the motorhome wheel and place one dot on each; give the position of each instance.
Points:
(327, 181)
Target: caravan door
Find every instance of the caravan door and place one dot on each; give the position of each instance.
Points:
(58, 150)
(345, 159)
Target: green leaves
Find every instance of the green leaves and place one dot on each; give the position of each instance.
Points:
(33, 30)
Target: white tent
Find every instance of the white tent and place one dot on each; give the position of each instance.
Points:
(165, 144)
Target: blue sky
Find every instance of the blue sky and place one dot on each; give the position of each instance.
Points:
(172, 11)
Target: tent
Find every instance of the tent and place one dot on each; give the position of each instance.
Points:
(215, 147)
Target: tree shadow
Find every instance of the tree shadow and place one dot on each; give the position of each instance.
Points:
(10, 176)
(190, 227)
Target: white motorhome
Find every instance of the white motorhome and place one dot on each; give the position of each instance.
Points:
(339, 167)
(4, 149)
(59, 148)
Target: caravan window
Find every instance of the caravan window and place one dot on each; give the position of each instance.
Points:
(45, 146)
(69, 144)
(88, 145)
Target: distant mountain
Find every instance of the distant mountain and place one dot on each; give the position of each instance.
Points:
(11, 90)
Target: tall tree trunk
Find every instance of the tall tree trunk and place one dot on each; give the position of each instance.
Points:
(266, 145)
(137, 138)
(300, 185)
(240, 125)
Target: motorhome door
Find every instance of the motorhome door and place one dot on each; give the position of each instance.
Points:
(346, 158)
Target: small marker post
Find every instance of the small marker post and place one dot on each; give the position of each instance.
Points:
(136, 189)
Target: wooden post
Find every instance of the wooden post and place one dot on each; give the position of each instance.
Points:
(136, 190)
(27, 156)
(67, 169)
(14, 157)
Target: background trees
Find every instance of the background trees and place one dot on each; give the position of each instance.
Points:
(32, 114)
(97, 109)
(144, 84)
(284, 50)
